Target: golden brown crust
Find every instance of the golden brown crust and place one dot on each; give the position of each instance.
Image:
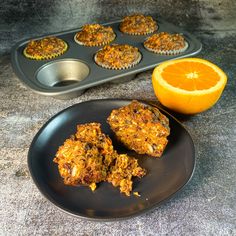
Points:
(138, 24)
(45, 48)
(141, 128)
(95, 35)
(118, 56)
(166, 43)
(88, 158)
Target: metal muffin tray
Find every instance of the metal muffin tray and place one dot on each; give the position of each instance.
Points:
(70, 74)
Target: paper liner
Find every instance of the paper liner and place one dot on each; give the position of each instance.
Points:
(126, 66)
(45, 57)
(94, 44)
(139, 33)
(167, 52)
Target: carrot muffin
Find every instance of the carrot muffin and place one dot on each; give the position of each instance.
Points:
(45, 48)
(141, 128)
(165, 43)
(84, 159)
(95, 35)
(88, 158)
(138, 24)
(117, 56)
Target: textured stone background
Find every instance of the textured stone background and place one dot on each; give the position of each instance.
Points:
(205, 207)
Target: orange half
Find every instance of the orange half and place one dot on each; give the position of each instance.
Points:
(189, 85)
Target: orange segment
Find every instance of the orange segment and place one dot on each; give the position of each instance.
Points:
(189, 85)
(191, 75)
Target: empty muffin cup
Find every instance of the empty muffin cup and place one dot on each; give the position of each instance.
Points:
(62, 73)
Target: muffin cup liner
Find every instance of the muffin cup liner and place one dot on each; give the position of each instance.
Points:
(45, 57)
(167, 52)
(139, 33)
(126, 66)
(94, 44)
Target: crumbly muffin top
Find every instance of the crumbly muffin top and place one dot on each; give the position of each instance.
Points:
(45, 47)
(85, 157)
(138, 24)
(165, 42)
(141, 128)
(118, 56)
(95, 35)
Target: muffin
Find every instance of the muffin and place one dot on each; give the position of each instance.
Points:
(88, 158)
(141, 128)
(95, 35)
(138, 24)
(118, 56)
(85, 157)
(166, 43)
(45, 48)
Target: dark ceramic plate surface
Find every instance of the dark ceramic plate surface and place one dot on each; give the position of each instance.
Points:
(165, 175)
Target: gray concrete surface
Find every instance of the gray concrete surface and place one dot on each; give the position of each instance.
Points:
(206, 206)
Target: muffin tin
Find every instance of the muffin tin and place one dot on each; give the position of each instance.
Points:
(70, 74)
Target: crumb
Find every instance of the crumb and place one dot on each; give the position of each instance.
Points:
(136, 194)
(93, 186)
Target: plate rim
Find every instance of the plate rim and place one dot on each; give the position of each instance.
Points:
(99, 218)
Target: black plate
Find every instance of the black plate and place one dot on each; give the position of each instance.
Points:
(165, 176)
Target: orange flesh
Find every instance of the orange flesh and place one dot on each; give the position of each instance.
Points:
(194, 76)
